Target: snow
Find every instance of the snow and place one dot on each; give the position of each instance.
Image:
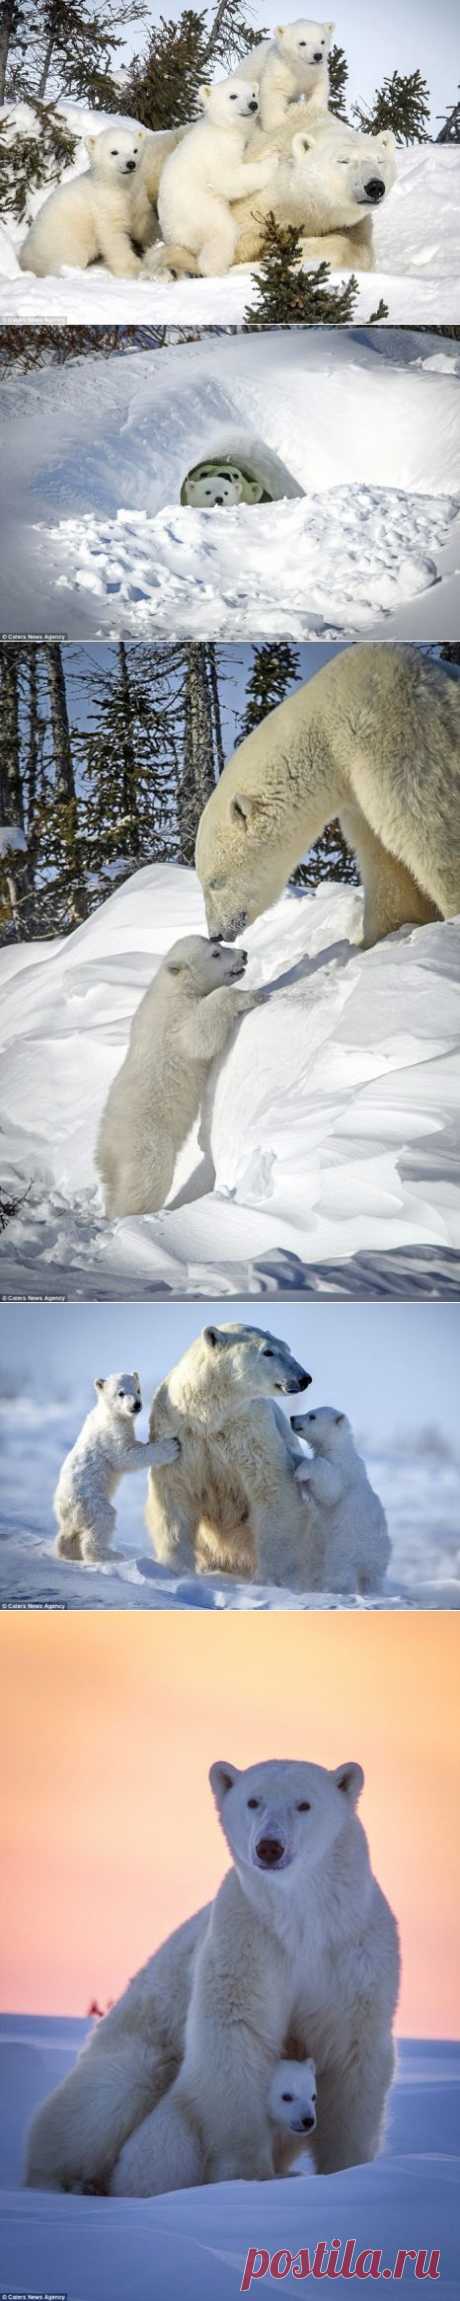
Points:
(195, 2242)
(364, 426)
(327, 1156)
(417, 255)
(419, 1485)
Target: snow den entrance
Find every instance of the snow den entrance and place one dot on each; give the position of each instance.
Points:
(237, 471)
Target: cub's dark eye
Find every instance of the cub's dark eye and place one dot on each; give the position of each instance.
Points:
(233, 99)
(304, 1807)
(253, 1802)
(312, 1417)
(268, 1354)
(287, 2097)
(121, 1393)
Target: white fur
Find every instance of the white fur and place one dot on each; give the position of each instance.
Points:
(290, 1960)
(374, 737)
(352, 1528)
(207, 171)
(230, 1504)
(292, 2103)
(293, 64)
(104, 1452)
(169, 2151)
(91, 215)
(181, 1025)
(328, 180)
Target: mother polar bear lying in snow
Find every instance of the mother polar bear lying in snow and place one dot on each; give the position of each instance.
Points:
(297, 1955)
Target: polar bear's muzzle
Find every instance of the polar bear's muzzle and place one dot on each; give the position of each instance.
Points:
(271, 1853)
(372, 192)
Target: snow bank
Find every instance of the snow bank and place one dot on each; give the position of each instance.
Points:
(330, 1143)
(365, 426)
(195, 2242)
(417, 254)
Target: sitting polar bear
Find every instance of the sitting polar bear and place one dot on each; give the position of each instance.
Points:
(352, 1527)
(182, 1023)
(91, 215)
(231, 1504)
(374, 737)
(293, 63)
(296, 1955)
(328, 181)
(206, 171)
(104, 1452)
(169, 2153)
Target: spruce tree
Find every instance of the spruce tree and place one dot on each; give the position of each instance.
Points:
(129, 751)
(66, 48)
(450, 131)
(275, 670)
(289, 296)
(202, 740)
(34, 157)
(338, 76)
(403, 104)
(16, 874)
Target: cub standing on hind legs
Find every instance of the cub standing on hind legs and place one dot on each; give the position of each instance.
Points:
(355, 1546)
(105, 1451)
(183, 1022)
(204, 173)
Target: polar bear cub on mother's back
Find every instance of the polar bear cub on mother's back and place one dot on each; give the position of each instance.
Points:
(180, 1026)
(354, 1542)
(207, 171)
(91, 215)
(294, 64)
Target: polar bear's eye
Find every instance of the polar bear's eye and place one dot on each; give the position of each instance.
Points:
(253, 1802)
(304, 1807)
(268, 1354)
(114, 152)
(289, 2096)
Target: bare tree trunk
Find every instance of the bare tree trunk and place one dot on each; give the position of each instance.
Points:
(198, 775)
(15, 861)
(8, 23)
(47, 60)
(66, 796)
(129, 755)
(211, 660)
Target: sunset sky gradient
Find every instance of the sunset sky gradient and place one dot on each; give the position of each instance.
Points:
(110, 1723)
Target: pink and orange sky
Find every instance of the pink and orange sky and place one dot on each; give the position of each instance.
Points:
(110, 1837)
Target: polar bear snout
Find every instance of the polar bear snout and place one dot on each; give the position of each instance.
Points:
(374, 190)
(270, 1853)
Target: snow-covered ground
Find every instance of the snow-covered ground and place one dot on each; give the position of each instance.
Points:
(193, 2244)
(417, 257)
(327, 1156)
(419, 1486)
(364, 426)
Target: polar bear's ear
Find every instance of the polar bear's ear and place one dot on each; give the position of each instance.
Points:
(211, 1334)
(90, 142)
(222, 1778)
(329, 29)
(350, 1779)
(387, 140)
(301, 144)
(340, 1418)
(100, 1382)
(204, 94)
(243, 809)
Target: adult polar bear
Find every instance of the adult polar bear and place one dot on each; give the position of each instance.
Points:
(373, 738)
(234, 1505)
(297, 1954)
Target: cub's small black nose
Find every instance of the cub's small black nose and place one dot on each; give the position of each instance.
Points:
(269, 1852)
(137, 1408)
(375, 189)
(305, 1381)
(130, 165)
(307, 2123)
(219, 499)
(318, 56)
(254, 104)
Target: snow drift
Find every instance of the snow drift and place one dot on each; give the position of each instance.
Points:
(416, 238)
(195, 2242)
(330, 1132)
(365, 427)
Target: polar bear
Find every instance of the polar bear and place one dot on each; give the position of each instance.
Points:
(205, 172)
(91, 215)
(170, 2153)
(231, 1504)
(181, 1025)
(222, 484)
(104, 1452)
(328, 181)
(352, 1527)
(296, 1955)
(374, 737)
(293, 64)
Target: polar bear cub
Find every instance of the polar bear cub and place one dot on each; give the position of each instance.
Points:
(355, 1544)
(104, 1452)
(90, 216)
(206, 171)
(182, 1023)
(167, 2151)
(293, 64)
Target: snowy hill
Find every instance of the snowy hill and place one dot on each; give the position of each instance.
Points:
(328, 1152)
(194, 2243)
(363, 425)
(417, 256)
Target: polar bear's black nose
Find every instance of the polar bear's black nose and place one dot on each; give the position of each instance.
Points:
(375, 189)
(318, 56)
(307, 2123)
(269, 1852)
(304, 1382)
(130, 165)
(254, 104)
(219, 499)
(137, 1408)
